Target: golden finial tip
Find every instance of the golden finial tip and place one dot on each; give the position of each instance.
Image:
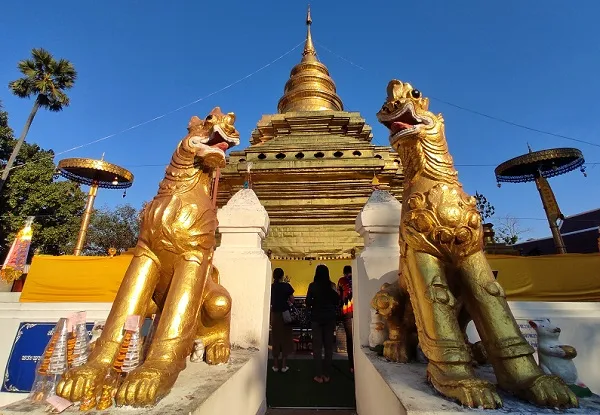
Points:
(309, 48)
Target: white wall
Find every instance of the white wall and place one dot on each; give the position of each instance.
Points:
(199, 390)
(378, 223)
(12, 313)
(4, 287)
(242, 394)
(246, 273)
(373, 394)
(580, 327)
(244, 268)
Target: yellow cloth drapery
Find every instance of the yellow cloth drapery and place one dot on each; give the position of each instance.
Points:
(570, 277)
(70, 278)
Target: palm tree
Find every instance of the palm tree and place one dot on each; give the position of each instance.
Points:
(47, 79)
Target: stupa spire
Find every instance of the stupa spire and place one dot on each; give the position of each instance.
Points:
(310, 88)
(309, 48)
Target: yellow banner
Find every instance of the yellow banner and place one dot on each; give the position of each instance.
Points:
(68, 278)
(567, 277)
(570, 277)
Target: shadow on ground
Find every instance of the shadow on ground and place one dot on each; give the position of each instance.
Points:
(297, 389)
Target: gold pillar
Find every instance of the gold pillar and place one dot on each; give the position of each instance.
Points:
(552, 212)
(85, 221)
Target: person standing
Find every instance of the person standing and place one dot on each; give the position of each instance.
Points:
(345, 292)
(282, 339)
(322, 300)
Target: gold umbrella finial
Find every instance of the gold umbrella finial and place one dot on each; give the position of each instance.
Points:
(375, 182)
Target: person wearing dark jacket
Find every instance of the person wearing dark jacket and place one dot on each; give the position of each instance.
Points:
(282, 339)
(322, 300)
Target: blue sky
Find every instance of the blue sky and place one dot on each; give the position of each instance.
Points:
(521, 61)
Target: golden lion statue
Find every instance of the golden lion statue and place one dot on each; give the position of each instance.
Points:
(172, 267)
(443, 267)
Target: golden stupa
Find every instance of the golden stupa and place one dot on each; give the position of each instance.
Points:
(312, 166)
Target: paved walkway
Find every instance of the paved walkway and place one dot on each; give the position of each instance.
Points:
(309, 412)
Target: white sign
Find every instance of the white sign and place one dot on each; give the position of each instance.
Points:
(528, 332)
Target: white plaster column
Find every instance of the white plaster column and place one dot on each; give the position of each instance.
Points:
(379, 224)
(245, 269)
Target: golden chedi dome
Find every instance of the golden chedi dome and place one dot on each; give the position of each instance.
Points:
(310, 88)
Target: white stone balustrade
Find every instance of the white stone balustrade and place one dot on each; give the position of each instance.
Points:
(246, 273)
(378, 223)
(244, 268)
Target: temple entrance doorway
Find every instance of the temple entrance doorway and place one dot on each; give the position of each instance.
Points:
(296, 388)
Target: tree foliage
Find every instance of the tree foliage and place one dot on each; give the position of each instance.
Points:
(32, 190)
(485, 208)
(112, 228)
(45, 78)
(509, 230)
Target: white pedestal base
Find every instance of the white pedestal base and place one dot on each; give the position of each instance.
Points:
(200, 390)
(391, 388)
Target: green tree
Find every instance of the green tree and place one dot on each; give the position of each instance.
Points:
(112, 228)
(46, 79)
(32, 190)
(485, 208)
(509, 230)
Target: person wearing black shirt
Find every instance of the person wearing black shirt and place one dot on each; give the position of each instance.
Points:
(281, 333)
(322, 300)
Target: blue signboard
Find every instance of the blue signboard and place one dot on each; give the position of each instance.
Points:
(28, 347)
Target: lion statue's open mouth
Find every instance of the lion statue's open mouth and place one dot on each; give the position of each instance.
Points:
(401, 119)
(405, 112)
(221, 140)
(216, 131)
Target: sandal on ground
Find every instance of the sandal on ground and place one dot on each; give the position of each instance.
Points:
(275, 369)
(318, 379)
(285, 369)
(326, 379)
